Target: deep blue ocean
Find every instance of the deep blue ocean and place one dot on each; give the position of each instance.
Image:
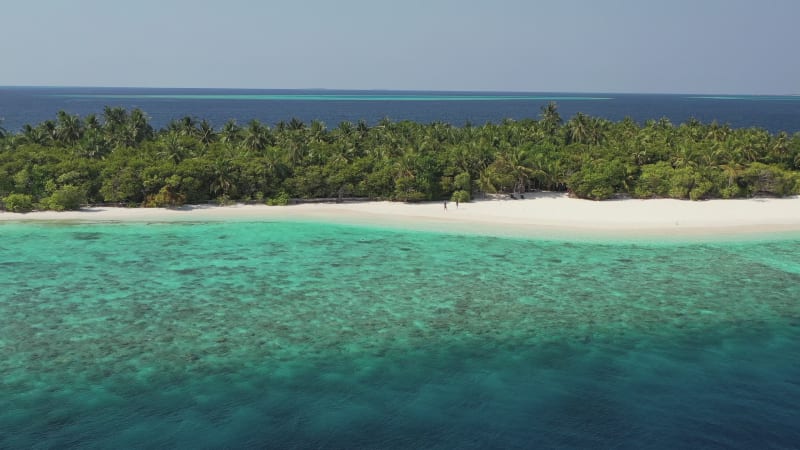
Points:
(32, 105)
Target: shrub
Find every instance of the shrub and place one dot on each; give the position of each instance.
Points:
(460, 196)
(770, 180)
(702, 190)
(166, 197)
(65, 198)
(224, 200)
(410, 189)
(411, 196)
(281, 199)
(462, 182)
(732, 191)
(653, 181)
(591, 184)
(682, 181)
(796, 184)
(598, 180)
(18, 202)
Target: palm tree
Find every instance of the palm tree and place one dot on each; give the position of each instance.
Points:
(516, 162)
(486, 182)
(26, 135)
(222, 174)
(93, 145)
(48, 128)
(296, 124)
(230, 133)
(685, 156)
(718, 132)
(296, 152)
(755, 143)
(345, 132)
(317, 132)
(779, 148)
(693, 128)
(550, 118)
(598, 127)
(345, 128)
(732, 168)
(115, 120)
(205, 133)
(92, 123)
(137, 127)
(114, 117)
(274, 162)
(555, 174)
(362, 128)
(173, 147)
(185, 126)
(257, 136)
(578, 129)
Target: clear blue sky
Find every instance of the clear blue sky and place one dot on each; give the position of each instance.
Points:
(676, 46)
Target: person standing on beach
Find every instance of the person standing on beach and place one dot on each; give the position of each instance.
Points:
(445, 205)
(456, 203)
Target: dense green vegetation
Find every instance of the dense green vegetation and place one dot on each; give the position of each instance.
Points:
(120, 158)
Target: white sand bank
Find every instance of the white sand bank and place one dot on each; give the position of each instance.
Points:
(538, 214)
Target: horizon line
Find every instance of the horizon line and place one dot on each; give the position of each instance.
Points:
(321, 89)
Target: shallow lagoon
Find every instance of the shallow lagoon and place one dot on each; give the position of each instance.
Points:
(315, 335)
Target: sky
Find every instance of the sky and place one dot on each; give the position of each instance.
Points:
(615, 46)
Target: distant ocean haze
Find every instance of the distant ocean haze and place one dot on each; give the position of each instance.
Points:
(33, 105)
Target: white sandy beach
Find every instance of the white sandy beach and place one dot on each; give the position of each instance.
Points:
(538, 214)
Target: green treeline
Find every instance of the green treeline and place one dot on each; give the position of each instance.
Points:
(120, 158)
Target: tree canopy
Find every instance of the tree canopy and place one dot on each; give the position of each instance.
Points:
(119, 158)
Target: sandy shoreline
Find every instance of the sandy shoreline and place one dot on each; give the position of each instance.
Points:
(540, 214)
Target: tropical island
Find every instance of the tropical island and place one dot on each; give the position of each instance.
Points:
(119, 158)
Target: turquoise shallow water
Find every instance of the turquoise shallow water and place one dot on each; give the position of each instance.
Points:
(755, 98)
(298, 335)
(340, 97)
